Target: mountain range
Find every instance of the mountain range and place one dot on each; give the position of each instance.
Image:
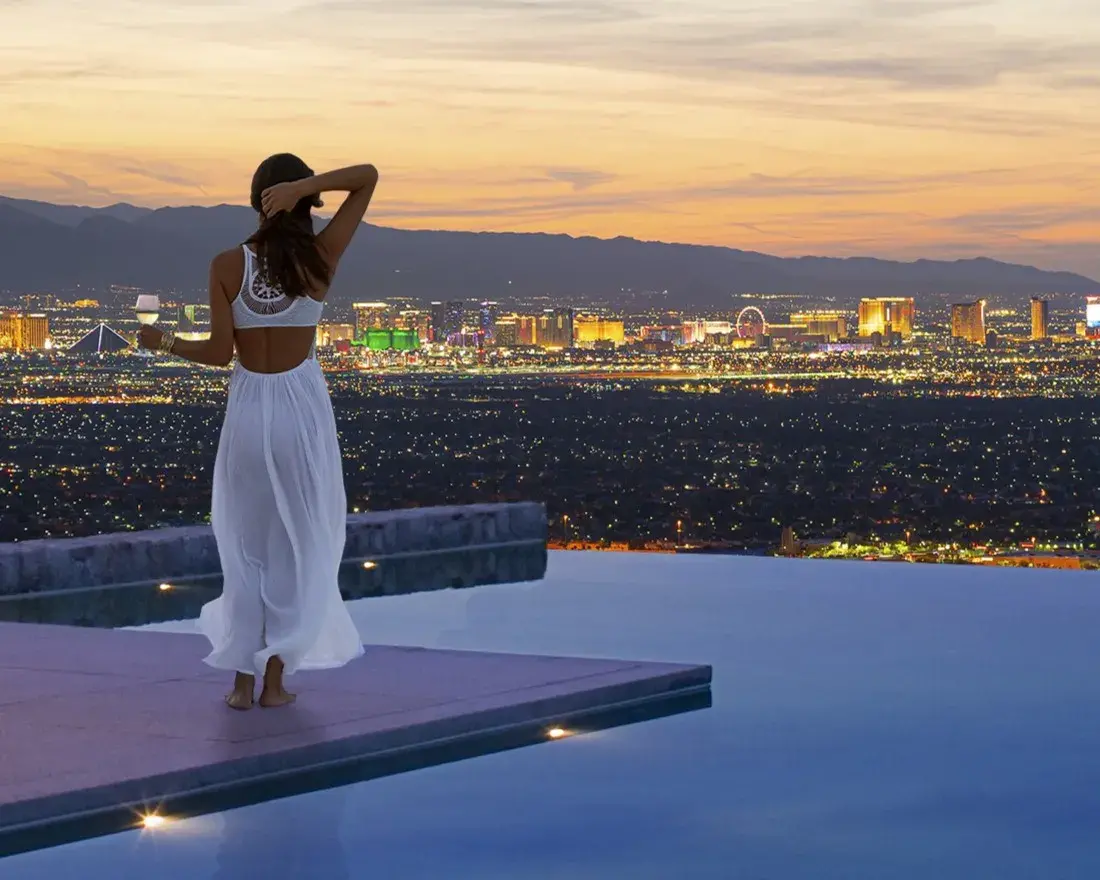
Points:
(47, 247)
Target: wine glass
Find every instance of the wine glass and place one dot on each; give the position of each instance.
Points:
(147, 308)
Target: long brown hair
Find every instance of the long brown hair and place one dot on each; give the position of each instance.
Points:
(285, 244)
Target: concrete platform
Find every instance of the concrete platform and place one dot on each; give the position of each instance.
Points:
(98, 727)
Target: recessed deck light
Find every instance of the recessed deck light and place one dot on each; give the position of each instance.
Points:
(164, 588)
(557, 732)
(369, 564)
(153, 821)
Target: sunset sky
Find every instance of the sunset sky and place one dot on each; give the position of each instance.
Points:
(899, 128)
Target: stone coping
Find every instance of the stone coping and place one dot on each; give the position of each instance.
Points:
(190, 551)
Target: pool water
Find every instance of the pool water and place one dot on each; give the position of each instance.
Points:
(868, 721)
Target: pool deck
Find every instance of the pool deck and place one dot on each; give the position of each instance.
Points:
(106, 725)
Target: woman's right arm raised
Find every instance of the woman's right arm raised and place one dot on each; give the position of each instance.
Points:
(358, 181)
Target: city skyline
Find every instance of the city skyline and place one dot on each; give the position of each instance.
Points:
(892, 128)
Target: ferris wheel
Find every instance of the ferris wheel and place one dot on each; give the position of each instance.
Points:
(751, 323)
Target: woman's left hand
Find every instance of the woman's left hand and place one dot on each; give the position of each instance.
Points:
(149, 337)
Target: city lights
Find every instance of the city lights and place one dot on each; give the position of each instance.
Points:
(853, 428)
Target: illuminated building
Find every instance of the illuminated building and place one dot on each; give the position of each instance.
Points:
(506, 332)
(527, 330)
(789, 332)
(887, 315)
(419, 320)
(86, 304)
(555, 329)
(389, 340)
(662, 334)
(371, 316)
(590, 330)
(7, 332)
(447, 319)
(831, 325)
(698, 331)
(100, 340)
(487, 317)
(193, 322)
(23, 332)
(1092, 317)
(329, 334)
(1040, 318)
(968, 322)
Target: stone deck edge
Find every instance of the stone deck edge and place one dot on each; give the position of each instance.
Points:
(541, 709)
(129, 558)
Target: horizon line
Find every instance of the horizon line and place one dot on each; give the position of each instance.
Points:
(571, 236)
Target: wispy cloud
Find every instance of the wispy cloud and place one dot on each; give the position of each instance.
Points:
(162, 176)
(520, 12)
(851, 124)
(580, 178)
(78, 188)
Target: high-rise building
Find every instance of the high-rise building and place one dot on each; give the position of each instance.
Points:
(527, 330)
(506, 331)
(447, 319)
(7, 331)
(886, 315)
(1040, 318)
(419, 320)
(193, 322)
(670, 333)
(36, 332)
(590, 331)
(1092, 317)
(832, 325)
(555, 328)
(968, 322)
(371, 316)
(487, 318)
(22, 332)
(698, 331)
(329, 334)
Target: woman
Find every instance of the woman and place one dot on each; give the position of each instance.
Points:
(279, 509)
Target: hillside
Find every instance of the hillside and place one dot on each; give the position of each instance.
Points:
(55, 247)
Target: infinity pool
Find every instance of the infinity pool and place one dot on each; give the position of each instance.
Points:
(868, 721)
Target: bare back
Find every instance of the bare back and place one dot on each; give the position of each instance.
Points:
(265, 349)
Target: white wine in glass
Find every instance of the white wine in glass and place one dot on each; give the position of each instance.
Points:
(148, 310)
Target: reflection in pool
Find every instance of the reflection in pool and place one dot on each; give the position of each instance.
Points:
(154, 602)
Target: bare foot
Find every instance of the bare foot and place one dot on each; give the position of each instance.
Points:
(238, 700)
(241, 696)
(271, 699)
(274, 694)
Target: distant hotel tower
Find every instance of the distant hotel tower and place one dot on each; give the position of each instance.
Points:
(22, 332)
(555, 329)
(447, 319)
(886, 315)
(594, 331)
(968, 322)
(1040, 318)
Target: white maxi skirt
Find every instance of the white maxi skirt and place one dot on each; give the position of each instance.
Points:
(279, 514)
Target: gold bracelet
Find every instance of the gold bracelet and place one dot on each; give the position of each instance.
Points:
(166, 342)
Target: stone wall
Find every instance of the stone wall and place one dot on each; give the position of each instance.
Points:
(416, 535)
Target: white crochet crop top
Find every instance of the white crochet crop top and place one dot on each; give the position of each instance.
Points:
(258, 304)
